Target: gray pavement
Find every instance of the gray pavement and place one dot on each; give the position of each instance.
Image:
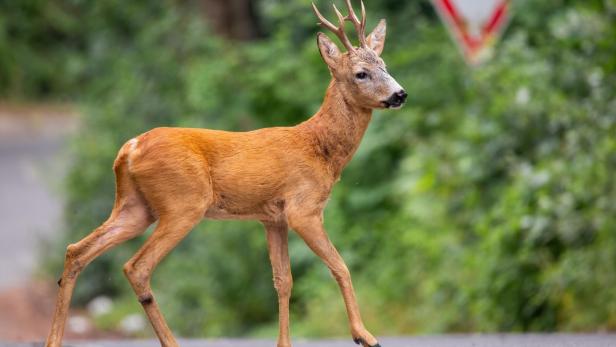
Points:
(506, 340)
(31, 168)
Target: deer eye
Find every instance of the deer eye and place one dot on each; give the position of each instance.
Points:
(361, 75)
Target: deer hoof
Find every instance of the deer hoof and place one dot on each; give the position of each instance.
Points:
(361, 341)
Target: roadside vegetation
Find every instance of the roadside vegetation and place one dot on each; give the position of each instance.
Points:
(488, 203)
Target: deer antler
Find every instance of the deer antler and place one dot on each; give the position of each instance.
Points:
(360, 25)
(338, 30)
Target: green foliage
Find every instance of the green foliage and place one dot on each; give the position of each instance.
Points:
(486, 204)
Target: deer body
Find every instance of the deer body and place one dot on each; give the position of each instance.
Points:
(255, 174)
(280, 176)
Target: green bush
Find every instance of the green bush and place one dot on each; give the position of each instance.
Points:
(486, 204)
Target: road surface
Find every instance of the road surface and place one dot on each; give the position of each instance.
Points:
(31, 168)
(507, 340)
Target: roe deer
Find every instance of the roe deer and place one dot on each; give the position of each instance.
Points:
(280, 176)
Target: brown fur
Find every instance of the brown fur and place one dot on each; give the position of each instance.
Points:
(279, 176)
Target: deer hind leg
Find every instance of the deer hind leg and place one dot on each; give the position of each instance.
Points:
(277, 240)
(179, 195)
(129, 218)
(171, 229)
(310, 229)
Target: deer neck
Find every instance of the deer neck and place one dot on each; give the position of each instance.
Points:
(337, 128)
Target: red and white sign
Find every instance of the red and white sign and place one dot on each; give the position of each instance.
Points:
(474, 24)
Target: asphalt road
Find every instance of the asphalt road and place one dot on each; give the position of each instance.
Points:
(508, 340)
(31, 168)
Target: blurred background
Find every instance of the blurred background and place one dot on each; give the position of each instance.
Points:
(487, 204)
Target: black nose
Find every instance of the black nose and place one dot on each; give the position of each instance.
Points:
(400, 96)
(396, 99)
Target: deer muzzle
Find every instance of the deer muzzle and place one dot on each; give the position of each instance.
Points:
(396, 100)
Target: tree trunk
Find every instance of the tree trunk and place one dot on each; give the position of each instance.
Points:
(233, 19)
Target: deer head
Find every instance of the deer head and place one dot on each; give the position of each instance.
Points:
(360, 69)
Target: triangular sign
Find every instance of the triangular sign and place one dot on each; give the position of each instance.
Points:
(475, 25)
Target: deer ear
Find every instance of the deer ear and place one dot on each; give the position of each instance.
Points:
(376, 39)
(329, 50)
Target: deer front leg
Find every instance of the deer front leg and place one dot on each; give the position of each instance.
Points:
(311, 230)
(277, 241)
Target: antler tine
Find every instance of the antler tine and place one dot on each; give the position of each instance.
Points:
(360, 26)
(363, 18)
(341, 18)
(322, 21)
(339, 31)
